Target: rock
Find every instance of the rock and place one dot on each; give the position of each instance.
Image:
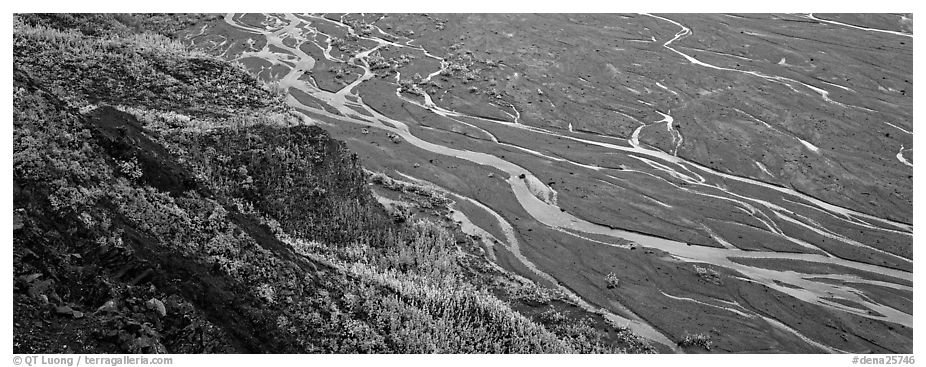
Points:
(109, 306)
(157, 306)
(31, 277)
(67, 310)
(17, 221)
(522, 176)
(40, 287)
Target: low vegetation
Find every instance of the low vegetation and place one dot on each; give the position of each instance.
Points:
(708, 275)
(613, 280)
(425, 197)
(699, 340)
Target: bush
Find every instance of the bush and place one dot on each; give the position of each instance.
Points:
(699, 340)
(708, 275)
(612, 280)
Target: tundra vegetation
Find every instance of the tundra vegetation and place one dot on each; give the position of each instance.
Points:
(699, 340)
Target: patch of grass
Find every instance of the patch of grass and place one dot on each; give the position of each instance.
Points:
(708, 275)
(532, 294)
(425, 197)
(138, 70)
(699, 340)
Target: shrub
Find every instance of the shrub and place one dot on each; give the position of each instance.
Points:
(533, 294)
(400, 212)
(708, 275)
(700, 340)
(612, 280)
